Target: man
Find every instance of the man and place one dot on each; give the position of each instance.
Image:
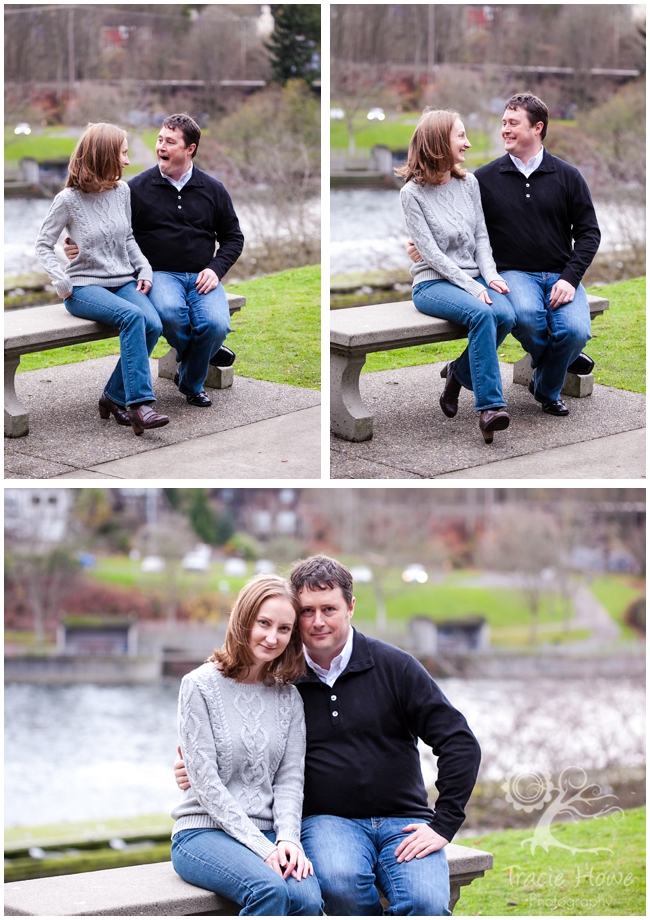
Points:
(535, 205)
(366, 816)
(179, 212)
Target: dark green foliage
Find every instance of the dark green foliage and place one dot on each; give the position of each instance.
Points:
(294, 41)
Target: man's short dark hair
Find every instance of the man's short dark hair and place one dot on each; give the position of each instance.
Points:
(319, 573)
(190, 129)
(533, 106)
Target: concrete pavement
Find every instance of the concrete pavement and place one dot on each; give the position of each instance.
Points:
(253, 430)
(602, 438)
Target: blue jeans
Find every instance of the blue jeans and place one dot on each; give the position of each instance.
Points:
(214, 860)
(196, 325)
(350, 855)
(478, 367)
(553, 338)
(140, 327)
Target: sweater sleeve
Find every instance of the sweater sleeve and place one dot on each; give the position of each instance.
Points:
(288, 782)
(56, 221)
(432, 718)
(135, 254)
(228, 234)
(423, 237)
(482, 248)
(201, 762)
(584, 230)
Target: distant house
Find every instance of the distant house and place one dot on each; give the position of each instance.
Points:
(469, 634)
(39, 515)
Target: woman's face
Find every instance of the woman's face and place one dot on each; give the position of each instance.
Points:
(124, 153)
(271, 629)
(458, 141)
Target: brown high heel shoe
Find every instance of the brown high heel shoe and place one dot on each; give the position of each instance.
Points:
(106, 406)
(451, 392)
(144, 416)
(493, 420)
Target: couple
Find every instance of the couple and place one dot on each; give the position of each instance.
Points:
(526, 208)
(349, 727)
(143, 259)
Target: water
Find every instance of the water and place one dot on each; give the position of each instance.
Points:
(258, 220)
(367, 230)
(90, 752)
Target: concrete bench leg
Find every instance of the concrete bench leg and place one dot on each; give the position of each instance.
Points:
(574, 384)
(16, 415)
(218, 377)
(349, 417)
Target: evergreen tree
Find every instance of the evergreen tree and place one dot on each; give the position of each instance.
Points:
(294, 42)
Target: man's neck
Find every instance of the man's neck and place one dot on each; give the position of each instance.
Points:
(178, 173)
(527, 157)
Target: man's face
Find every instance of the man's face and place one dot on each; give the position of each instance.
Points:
(174, 157)
(324, 622)
(520, 138)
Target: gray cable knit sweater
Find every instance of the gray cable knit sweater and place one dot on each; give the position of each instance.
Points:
(244, 751)
(446, 224)
(100, 224)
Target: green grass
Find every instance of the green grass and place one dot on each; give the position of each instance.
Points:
(40, 146)
(125, 573)
(617, 346)
(615, 592)
(70, 831)
(560, 883)
(276, 336)
(395, 132)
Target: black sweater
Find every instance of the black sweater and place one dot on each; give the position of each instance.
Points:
(177, 231)
(531, 221)
(362, 734)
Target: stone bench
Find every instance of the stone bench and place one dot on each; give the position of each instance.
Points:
(357, 331)
(41, 328)
(156, 891)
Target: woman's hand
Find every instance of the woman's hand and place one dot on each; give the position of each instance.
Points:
(500, 286)
(292, 860)
(144, 286)
(484, 296)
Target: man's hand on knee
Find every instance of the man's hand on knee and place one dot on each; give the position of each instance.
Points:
(562, 292)
(206, 280)
(421, 842)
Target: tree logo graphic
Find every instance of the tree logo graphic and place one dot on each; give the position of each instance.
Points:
(532, 789)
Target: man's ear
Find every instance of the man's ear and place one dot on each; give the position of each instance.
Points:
(354, 600)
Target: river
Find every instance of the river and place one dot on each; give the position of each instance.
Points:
(367, 230)
(88, 752)
(259, 221)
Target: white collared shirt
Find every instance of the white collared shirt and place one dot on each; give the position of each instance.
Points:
(184, 179)
(338, 665)
(531, 165)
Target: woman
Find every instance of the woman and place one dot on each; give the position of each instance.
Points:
(443, 213)
(100, 283)
(242, 730)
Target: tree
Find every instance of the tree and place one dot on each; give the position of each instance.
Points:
(45, 578)
(293, 42)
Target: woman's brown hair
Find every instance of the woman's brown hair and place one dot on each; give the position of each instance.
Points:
(235, 657)
(95, 164)
(430, 156)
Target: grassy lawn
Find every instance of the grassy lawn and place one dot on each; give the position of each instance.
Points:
(560, 883)
(44, 145)
(276, 336)
(395, 132)
(617, 346)
(615, 593)
(125, 573)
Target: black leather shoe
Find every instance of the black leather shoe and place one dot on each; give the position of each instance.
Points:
(555, 407)
(225, 357)
(582, 365)
(199, 399)
(451, 392)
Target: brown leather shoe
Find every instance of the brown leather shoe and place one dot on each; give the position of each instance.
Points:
(493, 420)
(451, 392)
(145, 416)
(106, 406)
